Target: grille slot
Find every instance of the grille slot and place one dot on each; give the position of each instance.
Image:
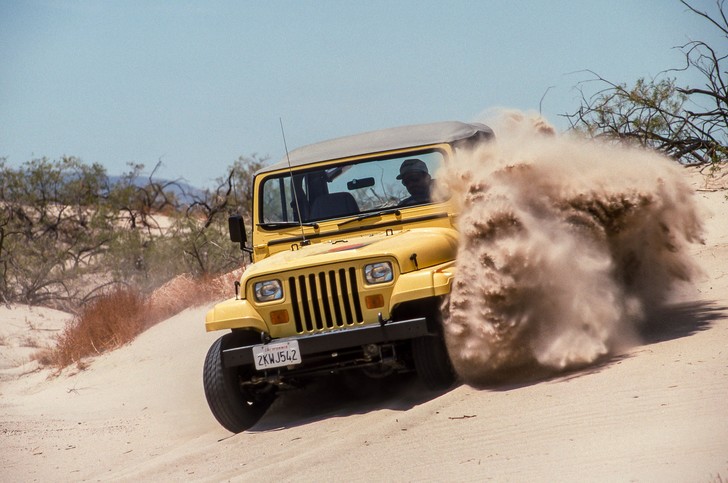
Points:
(325, 300)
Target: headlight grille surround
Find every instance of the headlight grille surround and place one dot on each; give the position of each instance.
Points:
(328, 297)
(379, 272)
(268, 290)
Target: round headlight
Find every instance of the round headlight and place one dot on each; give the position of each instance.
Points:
(380, 272)
(268, 290)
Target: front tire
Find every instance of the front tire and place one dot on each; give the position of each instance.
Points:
(235, 407)
(432, 363)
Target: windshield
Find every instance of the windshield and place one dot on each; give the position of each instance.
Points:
(348, 189)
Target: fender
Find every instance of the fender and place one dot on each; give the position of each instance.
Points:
(234, 313)
(420, 284)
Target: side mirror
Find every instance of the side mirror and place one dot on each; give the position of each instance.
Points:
(236, 225)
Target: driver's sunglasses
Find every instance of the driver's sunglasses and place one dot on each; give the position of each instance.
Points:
(412, 178)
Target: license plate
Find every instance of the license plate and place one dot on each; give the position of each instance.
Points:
(276, 354)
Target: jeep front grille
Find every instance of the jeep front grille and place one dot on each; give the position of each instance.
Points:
(325, 300)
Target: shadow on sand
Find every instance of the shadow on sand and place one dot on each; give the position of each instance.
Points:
(346, 395)
(681, 320)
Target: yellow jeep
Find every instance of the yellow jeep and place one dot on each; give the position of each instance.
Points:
(351, 259)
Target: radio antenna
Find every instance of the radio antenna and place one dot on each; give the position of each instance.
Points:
(304, 242)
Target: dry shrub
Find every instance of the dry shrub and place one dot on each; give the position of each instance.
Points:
(186, 291)
(105, 323)
(118, 316)
(44, 357)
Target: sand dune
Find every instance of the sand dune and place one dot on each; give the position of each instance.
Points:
(656, 412)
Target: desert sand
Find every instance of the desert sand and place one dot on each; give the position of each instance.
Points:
(657, 411)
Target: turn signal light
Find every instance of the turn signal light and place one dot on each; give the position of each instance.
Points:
(374, 301)
(279, 317)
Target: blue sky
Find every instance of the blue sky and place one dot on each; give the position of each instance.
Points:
(199, 83)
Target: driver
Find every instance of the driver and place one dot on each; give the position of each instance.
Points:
(416, 178)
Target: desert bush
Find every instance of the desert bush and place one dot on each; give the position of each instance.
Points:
(67, 232)
(105, 323)
(207, 249)
(118, 315)
(186, 291)
(690, 124)
(49, 235)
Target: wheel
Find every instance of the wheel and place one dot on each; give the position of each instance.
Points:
(235, 407)
(432, 363)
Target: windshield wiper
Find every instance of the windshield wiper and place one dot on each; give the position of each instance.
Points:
(286, 224)
(393, 211)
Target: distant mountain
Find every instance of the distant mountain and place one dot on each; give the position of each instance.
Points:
(184, 192)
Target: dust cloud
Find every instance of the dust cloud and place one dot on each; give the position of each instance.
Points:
(566, 244)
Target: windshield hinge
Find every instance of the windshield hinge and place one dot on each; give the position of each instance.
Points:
(413, 257)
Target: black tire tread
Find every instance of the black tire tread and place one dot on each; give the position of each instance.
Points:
(224, 397)
(432, 362)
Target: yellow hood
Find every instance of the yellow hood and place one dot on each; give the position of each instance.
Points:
(432, 246)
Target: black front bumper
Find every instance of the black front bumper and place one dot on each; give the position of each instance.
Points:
(339, 339)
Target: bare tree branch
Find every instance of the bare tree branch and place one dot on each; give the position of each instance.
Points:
(688, 123)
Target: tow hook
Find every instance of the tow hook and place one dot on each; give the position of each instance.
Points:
(381, 320)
